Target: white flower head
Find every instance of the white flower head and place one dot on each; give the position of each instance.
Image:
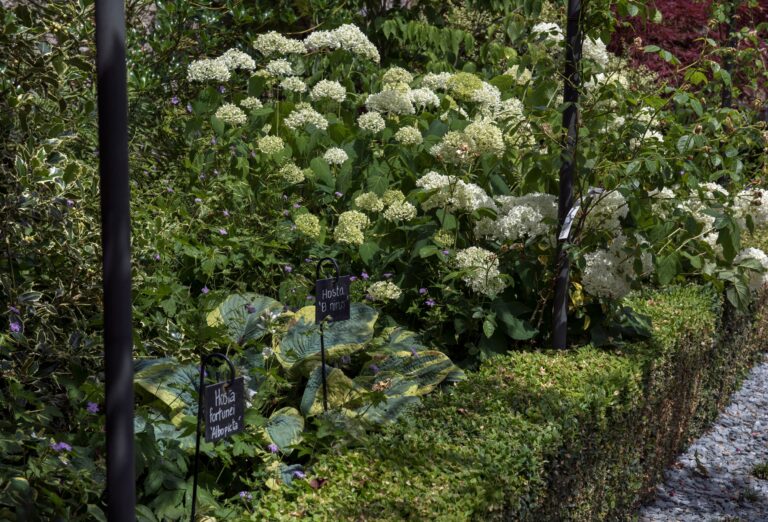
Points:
(273, 44)
(408, 136)
(550, 31)
(291, 173)
(326, 89)
(384, 291)
(481, 269)
(423, 98)
(347, 37)
(349, 229)
(390, 101)
(231, 114)
(371, 122)
(436, 81)
(303, 115)
(279, 68)
(208, 70)
(251, 103)
(400, 211)
(271, 144)
(335, 156)
(235, 59)
(396, 75)
(293, 84)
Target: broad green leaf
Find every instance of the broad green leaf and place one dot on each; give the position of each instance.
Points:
(668, 267)
(284, 428)
(341, 390)
(426, 370)
(299, 349)
(171, 383)
(244, 316)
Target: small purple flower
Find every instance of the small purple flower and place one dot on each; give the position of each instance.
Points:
(368, 297)
(310, 298)
(296, 205)
(60, 446)
(307, 259)
(430, 302)
(222, 89)
(175, 100)
(446, 252)
(223, 231)
(288, 269)
(338, 194)
(202, 177)
(213, 140)
(225, 213)
(198, 200)
(346, 359)
(15, 326)
(70, 203)
(14, 310)
(286, 213)
(422, 291)
(250, 308)
(387, 275)
(414, 353)
(156, 257)
(205, 290)
(169, 190)
(353, 278)
(92, 407)
(273, 448)
(364, 275)
(299, 474)
(189, 108)
(374, 368)
(245, 495)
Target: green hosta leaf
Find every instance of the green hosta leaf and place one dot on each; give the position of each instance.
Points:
(243, 315)
(284, 428)
(341, 390)
(456, 375)
(299, 349)
(426, 369)
(169, 382)
(387, 411)
(399, 340)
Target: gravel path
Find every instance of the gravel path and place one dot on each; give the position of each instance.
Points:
(712, 481)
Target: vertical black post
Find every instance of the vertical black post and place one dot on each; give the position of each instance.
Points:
(116, 238)
(727, 102)
(567, 168)
(323, 367)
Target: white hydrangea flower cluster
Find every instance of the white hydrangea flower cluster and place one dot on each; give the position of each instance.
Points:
(350, 228)
(481, 270)
(606, 211)
(231, 114)
(371, 122)
(408, 136)
(423, 98)
(291, 173)
(486, 138)
(328, 89)
(550, 31)
(392, 196)
(308, 224)
(436, 81)
(279, 68)
(488, 97)
(455, 148)
(275, 44)
(520, 218)
(522, 75)
(369, 202)
(347, 37)
(609, 272)
(753, 202)
(479, 137)
(270, 144)
(208, 70)
(251, 103)
(384, 291)
(757, 280)
(596, 51)
(400, 211)
(303, 115)
(390, 101)
(453, 193)
(293, 84)
(335, 156)
(235, 59)
(396, 76)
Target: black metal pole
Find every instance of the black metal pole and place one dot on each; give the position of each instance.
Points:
(116, 247)
(322, 367)
(567, 168)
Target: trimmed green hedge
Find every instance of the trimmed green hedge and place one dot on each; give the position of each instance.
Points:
(578, 435)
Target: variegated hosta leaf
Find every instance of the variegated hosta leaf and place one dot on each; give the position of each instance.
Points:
(299, 349)
(245, 316)
(284, 428)
(341, 391)
(428, 369)
(171, 383)
(400, 340)
(456, 375)
(389, 410)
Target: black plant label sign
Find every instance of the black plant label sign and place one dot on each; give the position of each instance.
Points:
(223, 406)
(332, 299)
